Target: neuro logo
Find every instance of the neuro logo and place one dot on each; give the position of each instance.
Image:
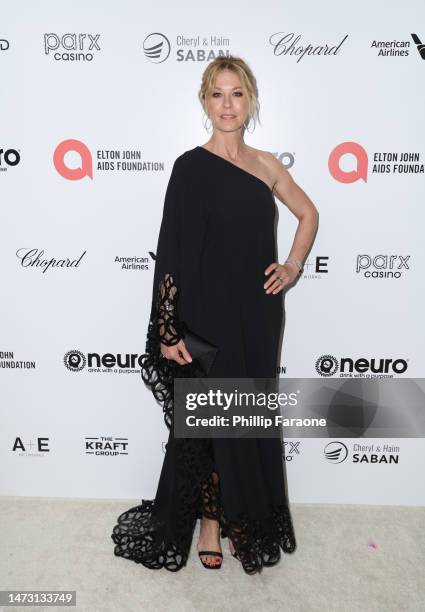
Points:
(75, 361)
(156, 47)
(73, 174)
(131, 363)
(362, 367)
(348, 176)
(327, 365)
(336, 452)
(9, 158)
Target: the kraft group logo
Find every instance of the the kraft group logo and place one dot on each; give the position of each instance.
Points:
(86, 165)
(106, 446)
(156, 47)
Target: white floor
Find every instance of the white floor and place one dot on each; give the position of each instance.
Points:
(349, 558)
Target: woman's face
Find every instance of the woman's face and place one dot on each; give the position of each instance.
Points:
(227, 102)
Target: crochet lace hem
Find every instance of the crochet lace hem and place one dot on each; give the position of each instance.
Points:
(140, 535)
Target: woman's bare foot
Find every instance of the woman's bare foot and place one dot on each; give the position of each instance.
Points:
(209, 539)
(231, 547)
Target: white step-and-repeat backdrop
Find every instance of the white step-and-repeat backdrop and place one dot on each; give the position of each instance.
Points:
(97, 100)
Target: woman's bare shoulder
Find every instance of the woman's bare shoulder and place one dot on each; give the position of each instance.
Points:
(266, 161)
(263, 157)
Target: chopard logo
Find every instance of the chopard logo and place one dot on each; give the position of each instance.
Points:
(287, 44)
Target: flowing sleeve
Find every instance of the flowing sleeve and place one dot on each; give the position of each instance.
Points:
(164, 325)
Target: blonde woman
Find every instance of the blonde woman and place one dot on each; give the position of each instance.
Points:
(216, 271)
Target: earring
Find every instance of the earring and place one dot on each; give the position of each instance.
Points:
(205, 122)
(246, 125)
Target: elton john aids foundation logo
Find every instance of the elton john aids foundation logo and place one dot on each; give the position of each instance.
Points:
(348, 176)
(344, 170)
(85, 167)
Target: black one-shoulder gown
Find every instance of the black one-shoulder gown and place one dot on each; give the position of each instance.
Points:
(215, 242)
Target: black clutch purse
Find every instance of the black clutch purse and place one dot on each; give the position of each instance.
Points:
(203, 353)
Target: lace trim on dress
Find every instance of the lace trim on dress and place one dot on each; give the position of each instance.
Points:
(164, 327)
(257, 542)
(143, 537)
(167, 311)
(155, 543)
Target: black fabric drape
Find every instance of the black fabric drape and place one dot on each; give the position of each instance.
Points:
(175, 303)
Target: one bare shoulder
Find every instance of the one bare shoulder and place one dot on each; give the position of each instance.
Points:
(267, 164)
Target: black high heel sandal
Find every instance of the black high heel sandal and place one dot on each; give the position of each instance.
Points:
(234, 554)
(213, 553)
(248, 568)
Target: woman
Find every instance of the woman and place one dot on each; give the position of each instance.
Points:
(216, 273)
